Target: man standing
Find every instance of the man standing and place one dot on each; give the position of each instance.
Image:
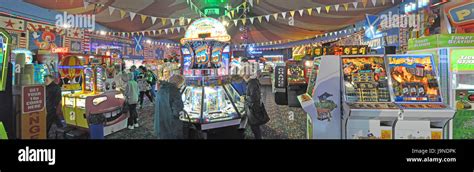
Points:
(53, 98)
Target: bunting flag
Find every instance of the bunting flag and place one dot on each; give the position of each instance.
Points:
(284, 15)
(173, 21)
(85, 4)
(374, 2)
(160, 31)
(163, 21)
(166, 31)
(232, 13)
(143, 17)
(275, 16)
(364, 3)
(153, 20)
(355, 4)
(336, 7)
(260, 19)
(122, 14)
(346, 6)
(267, 17)
(292, 13)
(235, 22)
(383, 2)
(251, 20)
(172, 30)
(258, 1)
(179, 29)
(189, 20)
(393, 1)
(301, 12)
(111, 10)
(328, 8)
(319, 10)
(310, 11)
(244, 20)
(132, 15)
(154, 32)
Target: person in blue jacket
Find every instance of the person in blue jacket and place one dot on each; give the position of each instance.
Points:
(168, 107)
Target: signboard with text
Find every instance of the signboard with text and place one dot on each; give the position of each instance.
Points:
(462, 13)
(462, 60)
(442, 40)
(280, 76)
(33, 116)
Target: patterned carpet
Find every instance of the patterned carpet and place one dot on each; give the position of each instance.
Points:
(282, 124)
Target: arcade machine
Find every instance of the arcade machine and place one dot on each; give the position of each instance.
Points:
(452, 59)
(7, 119)
(323, 104)
(210, 100)
(280, 83)
(39, 69)
(296, 82)
(71, 67)
(416, 90)
(368, 112)
(96, 100)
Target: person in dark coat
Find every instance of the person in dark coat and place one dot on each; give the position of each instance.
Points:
(253, 104)
(168, 108)
(53, 98)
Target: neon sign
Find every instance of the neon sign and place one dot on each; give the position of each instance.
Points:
(210, 26)
(60, 50)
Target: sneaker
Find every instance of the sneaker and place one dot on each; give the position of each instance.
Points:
(130, 127)
(137, 125)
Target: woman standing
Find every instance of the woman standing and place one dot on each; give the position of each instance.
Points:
(169, 106)
(255, 108)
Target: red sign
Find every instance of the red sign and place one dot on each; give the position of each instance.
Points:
(60, 50)
(32, 98)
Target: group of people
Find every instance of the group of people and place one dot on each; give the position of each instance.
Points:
(138, 83)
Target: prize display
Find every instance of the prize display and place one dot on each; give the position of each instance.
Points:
(210, 100)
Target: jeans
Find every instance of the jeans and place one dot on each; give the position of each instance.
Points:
(141, 96)
(52, 118)
(153, 90)
(133, 114)
(257, 132)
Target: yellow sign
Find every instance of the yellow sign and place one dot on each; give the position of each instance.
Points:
(33, 125)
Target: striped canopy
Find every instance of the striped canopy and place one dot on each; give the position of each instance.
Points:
(305, 26)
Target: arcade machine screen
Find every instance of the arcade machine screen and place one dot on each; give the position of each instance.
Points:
(313, 75)
(187, 60)
(365, 79)
(295, 73)
(414, 80)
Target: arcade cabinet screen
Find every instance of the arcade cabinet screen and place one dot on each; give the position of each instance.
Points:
(365, 79)
(414, 78)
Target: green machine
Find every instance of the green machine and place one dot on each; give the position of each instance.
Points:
(454, 57)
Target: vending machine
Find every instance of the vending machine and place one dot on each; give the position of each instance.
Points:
(415, 89)
(368, 112)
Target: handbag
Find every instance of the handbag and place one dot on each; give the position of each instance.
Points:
(125, 107)
(259, 116)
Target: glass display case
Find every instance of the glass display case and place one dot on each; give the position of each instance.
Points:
(210, 104)
(101, 77)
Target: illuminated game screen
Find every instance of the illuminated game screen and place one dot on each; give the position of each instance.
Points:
(365, 79)
(295, 73)
(414, 78)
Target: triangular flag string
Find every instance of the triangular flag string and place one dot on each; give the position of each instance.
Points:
(267, 17)
(346, 6)
(328, 8)
(260, 19)
(355, 4)
(275, 16)
(132, 15)
(244, 20)
(251, 20)
(336, 7)
(318, 9)
(153, 20)
(393, 1)
(122, 14)
(85, 4)
(292, 13)
(310, 11)
(374, 2)
(143, 17)
(236, 22)
(163, 21)
(111, 10)
(364, 3)
(283, 14)
(173, 21)
(301, 12)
